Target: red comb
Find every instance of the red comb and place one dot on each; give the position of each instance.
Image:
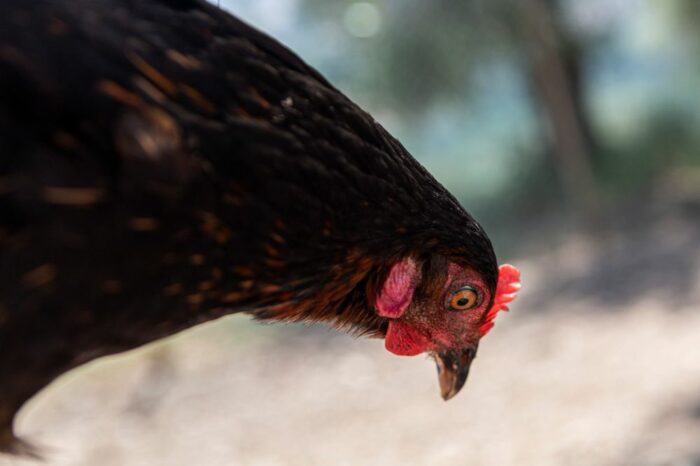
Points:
(506, 290)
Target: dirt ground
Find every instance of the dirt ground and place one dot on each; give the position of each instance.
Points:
(597, 364)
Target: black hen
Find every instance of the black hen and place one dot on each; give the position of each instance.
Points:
(163, 164)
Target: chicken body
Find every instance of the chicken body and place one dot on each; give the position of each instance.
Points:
(163, 164)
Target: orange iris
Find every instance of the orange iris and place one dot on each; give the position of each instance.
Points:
(464, 298)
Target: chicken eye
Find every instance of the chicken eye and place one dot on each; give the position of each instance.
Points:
(464, 298)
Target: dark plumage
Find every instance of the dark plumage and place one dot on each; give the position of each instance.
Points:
(163, 164)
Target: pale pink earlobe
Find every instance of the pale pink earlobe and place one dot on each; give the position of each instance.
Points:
(397, 291)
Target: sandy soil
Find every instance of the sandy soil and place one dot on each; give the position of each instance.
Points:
(598, 364)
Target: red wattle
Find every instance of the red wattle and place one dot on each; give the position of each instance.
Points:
(404, 340)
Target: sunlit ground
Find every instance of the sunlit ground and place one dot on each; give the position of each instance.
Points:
(599, 361)
(597, 364)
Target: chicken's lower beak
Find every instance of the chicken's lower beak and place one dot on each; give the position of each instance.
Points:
(453, 369)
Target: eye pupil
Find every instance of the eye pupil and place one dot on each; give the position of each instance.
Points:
(463, 302)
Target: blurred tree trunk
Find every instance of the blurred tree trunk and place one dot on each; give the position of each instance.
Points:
(554, 72)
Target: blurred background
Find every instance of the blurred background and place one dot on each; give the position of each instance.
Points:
(570, 130)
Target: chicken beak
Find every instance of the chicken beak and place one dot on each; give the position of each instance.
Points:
(453, 369)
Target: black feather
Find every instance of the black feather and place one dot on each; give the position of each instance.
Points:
(163, 163)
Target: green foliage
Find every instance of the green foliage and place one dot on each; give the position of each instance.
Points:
(667, 138)
(468, 60)
(426, 51)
